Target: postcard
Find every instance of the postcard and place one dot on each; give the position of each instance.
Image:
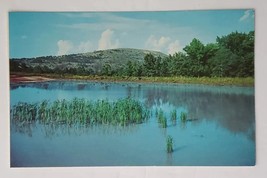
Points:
(151, 88)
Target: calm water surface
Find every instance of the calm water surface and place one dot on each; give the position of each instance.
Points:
(222, 133)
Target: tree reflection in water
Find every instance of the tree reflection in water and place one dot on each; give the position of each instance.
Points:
(230, 107)
(236, 112)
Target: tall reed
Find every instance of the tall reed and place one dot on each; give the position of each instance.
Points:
(162, 120)
(173, 116)
(122, 112)
(169, 144)
(183, 116)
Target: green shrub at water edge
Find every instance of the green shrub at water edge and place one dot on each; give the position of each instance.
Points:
(122, 112)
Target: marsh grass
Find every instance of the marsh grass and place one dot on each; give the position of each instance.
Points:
(122, 112)
(183, 117)
(174, 116)
(162, 120)
(169, 144)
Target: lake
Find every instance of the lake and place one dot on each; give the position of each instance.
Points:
(220, 130)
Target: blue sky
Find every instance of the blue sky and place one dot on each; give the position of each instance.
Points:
(34, 34)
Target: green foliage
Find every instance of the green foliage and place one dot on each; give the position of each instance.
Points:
(169, 143)
(122, 112)
(242, 46)
(183, 116)
(138, 69)
(129, 69)
(173, 116)
(150, 65)
(162, 120)
(160, 115)
(133, 68)
(199, 56)
(231, 56)
(224, 63)
(106, 70)
(177, 64)
(239, 43)
(195, 50)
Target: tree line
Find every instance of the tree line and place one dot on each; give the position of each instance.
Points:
(230, 56)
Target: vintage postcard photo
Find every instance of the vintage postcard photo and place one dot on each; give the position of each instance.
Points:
(147, 88)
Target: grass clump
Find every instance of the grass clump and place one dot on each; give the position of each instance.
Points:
(183, 116)
(122, 112)
(169, 143)
(173, 116)
(162, 120)
(24, 112)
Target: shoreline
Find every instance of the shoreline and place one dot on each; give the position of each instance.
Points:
(28, 79)
(32, 78)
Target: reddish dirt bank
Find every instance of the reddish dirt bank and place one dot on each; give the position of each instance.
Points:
(22, 79)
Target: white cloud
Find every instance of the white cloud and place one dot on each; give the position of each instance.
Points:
(163, 44)
(129, 31)
(106, 40)
(64, 47)
(157, 44)
(174, 47)
(247, 14)
(67, 47)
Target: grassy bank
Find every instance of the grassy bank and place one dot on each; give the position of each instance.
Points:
(249, 81)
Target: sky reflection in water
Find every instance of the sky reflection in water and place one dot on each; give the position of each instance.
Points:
(223, 133)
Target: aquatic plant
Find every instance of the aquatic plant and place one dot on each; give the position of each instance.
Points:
(160, 115)
(173, 116)
(122, 112)
(183, 116)
(169, 143)
(24, 112)
(162, 120)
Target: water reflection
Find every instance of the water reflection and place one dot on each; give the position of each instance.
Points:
(231, 107)
(53, 130)
(235, 112)
(81, 86)
(23, 128)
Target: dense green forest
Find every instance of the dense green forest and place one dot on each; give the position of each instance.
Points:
(230, 56)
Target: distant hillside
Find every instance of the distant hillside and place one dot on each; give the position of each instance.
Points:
(91, 61)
